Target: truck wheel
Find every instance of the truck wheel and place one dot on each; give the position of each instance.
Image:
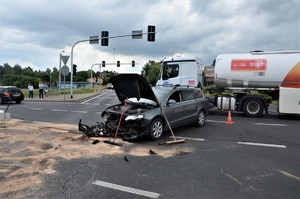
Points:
(200, 118)
(253, 108)
(156, 129)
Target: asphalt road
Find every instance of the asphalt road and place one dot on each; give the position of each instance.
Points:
(252, 158)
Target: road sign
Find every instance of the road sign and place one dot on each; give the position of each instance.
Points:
(65, 70)
(65, 58)
(137, 34)
(94, 39)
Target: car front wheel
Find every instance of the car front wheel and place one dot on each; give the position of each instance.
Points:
(156, 129)
(201, 118)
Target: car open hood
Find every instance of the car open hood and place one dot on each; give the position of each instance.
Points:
(132, 85)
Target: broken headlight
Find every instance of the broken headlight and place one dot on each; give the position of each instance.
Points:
(134, 117)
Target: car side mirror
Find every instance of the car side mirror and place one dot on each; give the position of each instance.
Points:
(171, 101)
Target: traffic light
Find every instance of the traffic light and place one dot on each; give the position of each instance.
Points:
(104, 42)
(133, 63)
(74, 69)
(118, 63)
(103, 63)
(151, 33)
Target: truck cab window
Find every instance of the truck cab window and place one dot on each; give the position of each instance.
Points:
(170, 71)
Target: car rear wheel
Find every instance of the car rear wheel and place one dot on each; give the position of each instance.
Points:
(18, 101)
(156, 129)
(201, 118)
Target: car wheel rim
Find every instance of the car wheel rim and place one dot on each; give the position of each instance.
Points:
(201, 118)
(157, 129)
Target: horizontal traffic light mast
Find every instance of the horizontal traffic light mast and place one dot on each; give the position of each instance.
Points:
(104, 42)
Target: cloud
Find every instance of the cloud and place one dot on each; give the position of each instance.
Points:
(35, 32)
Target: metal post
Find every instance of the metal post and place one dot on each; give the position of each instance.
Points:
(72, 64)
(59, 76)
(50, 80)
(92, 73)
(90, 40)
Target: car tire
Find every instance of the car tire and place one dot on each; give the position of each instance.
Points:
(18, 101)
(156, 129)
(201, 117)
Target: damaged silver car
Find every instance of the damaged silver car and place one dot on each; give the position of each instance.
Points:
(147, 111)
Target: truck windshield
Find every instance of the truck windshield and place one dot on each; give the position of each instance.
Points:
(169, 70)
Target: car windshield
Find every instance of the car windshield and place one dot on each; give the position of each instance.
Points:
(161, 95)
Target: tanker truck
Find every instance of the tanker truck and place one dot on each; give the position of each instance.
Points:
(246, 78)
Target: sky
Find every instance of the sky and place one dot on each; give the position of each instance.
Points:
(35, 32)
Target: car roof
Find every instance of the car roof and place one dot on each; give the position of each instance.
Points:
(169, 88)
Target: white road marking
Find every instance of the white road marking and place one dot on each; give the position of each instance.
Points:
(189, 138)
(289, 175)
(127, 189)
(216, 121)
(59, 110)
(79, 111)
(37, 122)
(94, 98)
(36, 109)
(267, 124)
(90, 99)
(262, 144)
(99, 113)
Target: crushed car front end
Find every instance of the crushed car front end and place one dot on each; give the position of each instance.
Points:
(131, 120)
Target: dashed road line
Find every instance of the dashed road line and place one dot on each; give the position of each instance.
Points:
(262, 144)
(216, 121)
(79, 111)
(59, 110)
(127, 189)
(267, 124)
(36, 109)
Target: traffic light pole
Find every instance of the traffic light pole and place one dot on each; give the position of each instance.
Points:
(85, 40)
(92, 73)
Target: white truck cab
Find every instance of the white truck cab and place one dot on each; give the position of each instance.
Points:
(185, 71)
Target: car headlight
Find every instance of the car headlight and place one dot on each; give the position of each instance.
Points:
(134, 117)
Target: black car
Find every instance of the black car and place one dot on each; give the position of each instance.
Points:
(11, 93)
(149, 111)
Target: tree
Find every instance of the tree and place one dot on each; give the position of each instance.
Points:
(153, 72)
(146, 69)
(82, 76)
(17, 70)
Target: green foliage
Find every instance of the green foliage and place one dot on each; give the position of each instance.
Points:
(22, 77)
(151, 71)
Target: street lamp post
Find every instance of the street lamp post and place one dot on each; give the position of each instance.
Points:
(59, 76)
